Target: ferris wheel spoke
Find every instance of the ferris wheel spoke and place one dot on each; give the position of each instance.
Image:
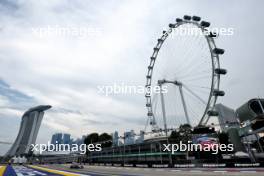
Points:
(199, 65)
(195, 68)
(194, 94)
(186, 59)
(194, 72)
(191, 106)
(194, 53)
(192, 109)
(200, 87)
(171, 105)
(201, 92)
(196, 76)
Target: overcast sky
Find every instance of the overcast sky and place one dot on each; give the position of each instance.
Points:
(65, 70)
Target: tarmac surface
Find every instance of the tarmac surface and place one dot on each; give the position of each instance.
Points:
(60, 169)
(135, 171)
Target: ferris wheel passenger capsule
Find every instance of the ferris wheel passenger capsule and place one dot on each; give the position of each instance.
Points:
(220, 71)
(172, 25)
(196, 18)
(212, 34)
(148, 105)
(178, 20)
(150, 114)
(218, 51)
(150, 67)
(212, 113)
(218, 93)
(156, 49)
(160, 40)
(187, 17)
(205, 24)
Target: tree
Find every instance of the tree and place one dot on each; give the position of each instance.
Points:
(185, 127)
(182, 135)
(91, 138)
(175, 137)
(105, 139)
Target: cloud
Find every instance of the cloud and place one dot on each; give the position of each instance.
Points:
(64, 71)
(13, 97)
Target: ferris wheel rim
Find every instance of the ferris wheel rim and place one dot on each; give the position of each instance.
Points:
(215, 77)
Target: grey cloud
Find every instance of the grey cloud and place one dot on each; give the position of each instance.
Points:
(65, 111)
(17, 99)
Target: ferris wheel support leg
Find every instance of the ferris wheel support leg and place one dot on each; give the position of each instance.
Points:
(184, 105)
(206, 121)
(163, 111)
(165, 122)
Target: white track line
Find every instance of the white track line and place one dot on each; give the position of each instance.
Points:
(220, 171)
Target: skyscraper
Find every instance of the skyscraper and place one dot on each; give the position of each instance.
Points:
(115, 138)
(129, 137)
(59, 138)
(56, 138)
(28, 131)
(66, 138)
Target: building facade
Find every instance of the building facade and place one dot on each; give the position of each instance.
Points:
(29, 127)
(227, 117)
(60, 138)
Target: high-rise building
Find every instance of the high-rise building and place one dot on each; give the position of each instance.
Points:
(60, 138)
(28, 131)
(56, 138)
(141, 137)
(115, 138)
(129, 137)
(78, 141)
(66, 139)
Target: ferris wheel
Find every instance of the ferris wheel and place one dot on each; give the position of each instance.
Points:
(185, 64)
